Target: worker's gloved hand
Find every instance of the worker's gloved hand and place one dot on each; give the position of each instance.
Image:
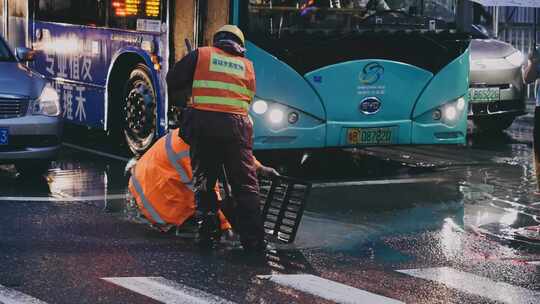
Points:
(267, 171)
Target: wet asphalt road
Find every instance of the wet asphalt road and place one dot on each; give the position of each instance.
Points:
(395, 224)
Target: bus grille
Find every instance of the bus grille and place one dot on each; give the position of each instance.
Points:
(11, 108)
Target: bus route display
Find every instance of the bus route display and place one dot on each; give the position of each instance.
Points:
(152, 8)
(132, 8)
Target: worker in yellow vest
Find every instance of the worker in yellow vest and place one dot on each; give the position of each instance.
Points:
(216, 125)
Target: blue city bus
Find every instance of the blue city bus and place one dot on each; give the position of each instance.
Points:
(330, 74)
(105, 58)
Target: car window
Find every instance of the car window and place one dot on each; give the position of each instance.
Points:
(5, 53)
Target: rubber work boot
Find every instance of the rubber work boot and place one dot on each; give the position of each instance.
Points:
(209, 232)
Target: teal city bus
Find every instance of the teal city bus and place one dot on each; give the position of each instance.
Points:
(339, 74)
(330, 73)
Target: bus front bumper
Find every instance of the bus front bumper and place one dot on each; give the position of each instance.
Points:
(337, 135)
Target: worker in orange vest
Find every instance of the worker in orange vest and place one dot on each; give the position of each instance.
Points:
(216, 125)
(161, 184)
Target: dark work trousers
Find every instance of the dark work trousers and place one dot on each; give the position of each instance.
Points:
(536, 145)
(219, 139)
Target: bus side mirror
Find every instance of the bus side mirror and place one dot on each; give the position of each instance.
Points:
(24, 54)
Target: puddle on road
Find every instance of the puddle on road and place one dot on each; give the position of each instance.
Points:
(498, 199)
(492, 197)
(365, 216)
(74, 177)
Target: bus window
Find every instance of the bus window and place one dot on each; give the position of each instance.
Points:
(83, 12)
(126, 14)
(281, 26)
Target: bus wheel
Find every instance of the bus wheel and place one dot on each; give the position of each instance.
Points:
(140, 113)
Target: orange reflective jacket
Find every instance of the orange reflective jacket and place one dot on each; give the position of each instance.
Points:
(223, 82)
(161, 183)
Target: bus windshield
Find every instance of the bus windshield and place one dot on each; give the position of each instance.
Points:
(311, 34)
(275, 16)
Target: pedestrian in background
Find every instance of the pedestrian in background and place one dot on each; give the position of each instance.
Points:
(217, 127)
(530, 75)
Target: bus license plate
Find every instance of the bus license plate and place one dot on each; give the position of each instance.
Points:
(484, 94)
(4, 136)
(369, 136)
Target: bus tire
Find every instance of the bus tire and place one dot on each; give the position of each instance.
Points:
(139, 126)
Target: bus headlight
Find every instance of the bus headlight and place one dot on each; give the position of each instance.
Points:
(48, 103)
(460, 104)
(276, 116)
(451, 111)
(273, 112)
(260, 107)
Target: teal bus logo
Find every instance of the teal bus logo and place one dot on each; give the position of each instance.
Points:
(371, 73)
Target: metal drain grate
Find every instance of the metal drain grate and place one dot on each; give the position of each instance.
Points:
(283, 200)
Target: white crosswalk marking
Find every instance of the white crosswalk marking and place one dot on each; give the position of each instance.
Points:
(165, 291)
(10, 296)
(328, 290)
(477, 285)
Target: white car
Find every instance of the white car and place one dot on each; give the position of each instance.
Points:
(496, 94)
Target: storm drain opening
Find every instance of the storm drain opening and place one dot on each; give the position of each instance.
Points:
(283, 200)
